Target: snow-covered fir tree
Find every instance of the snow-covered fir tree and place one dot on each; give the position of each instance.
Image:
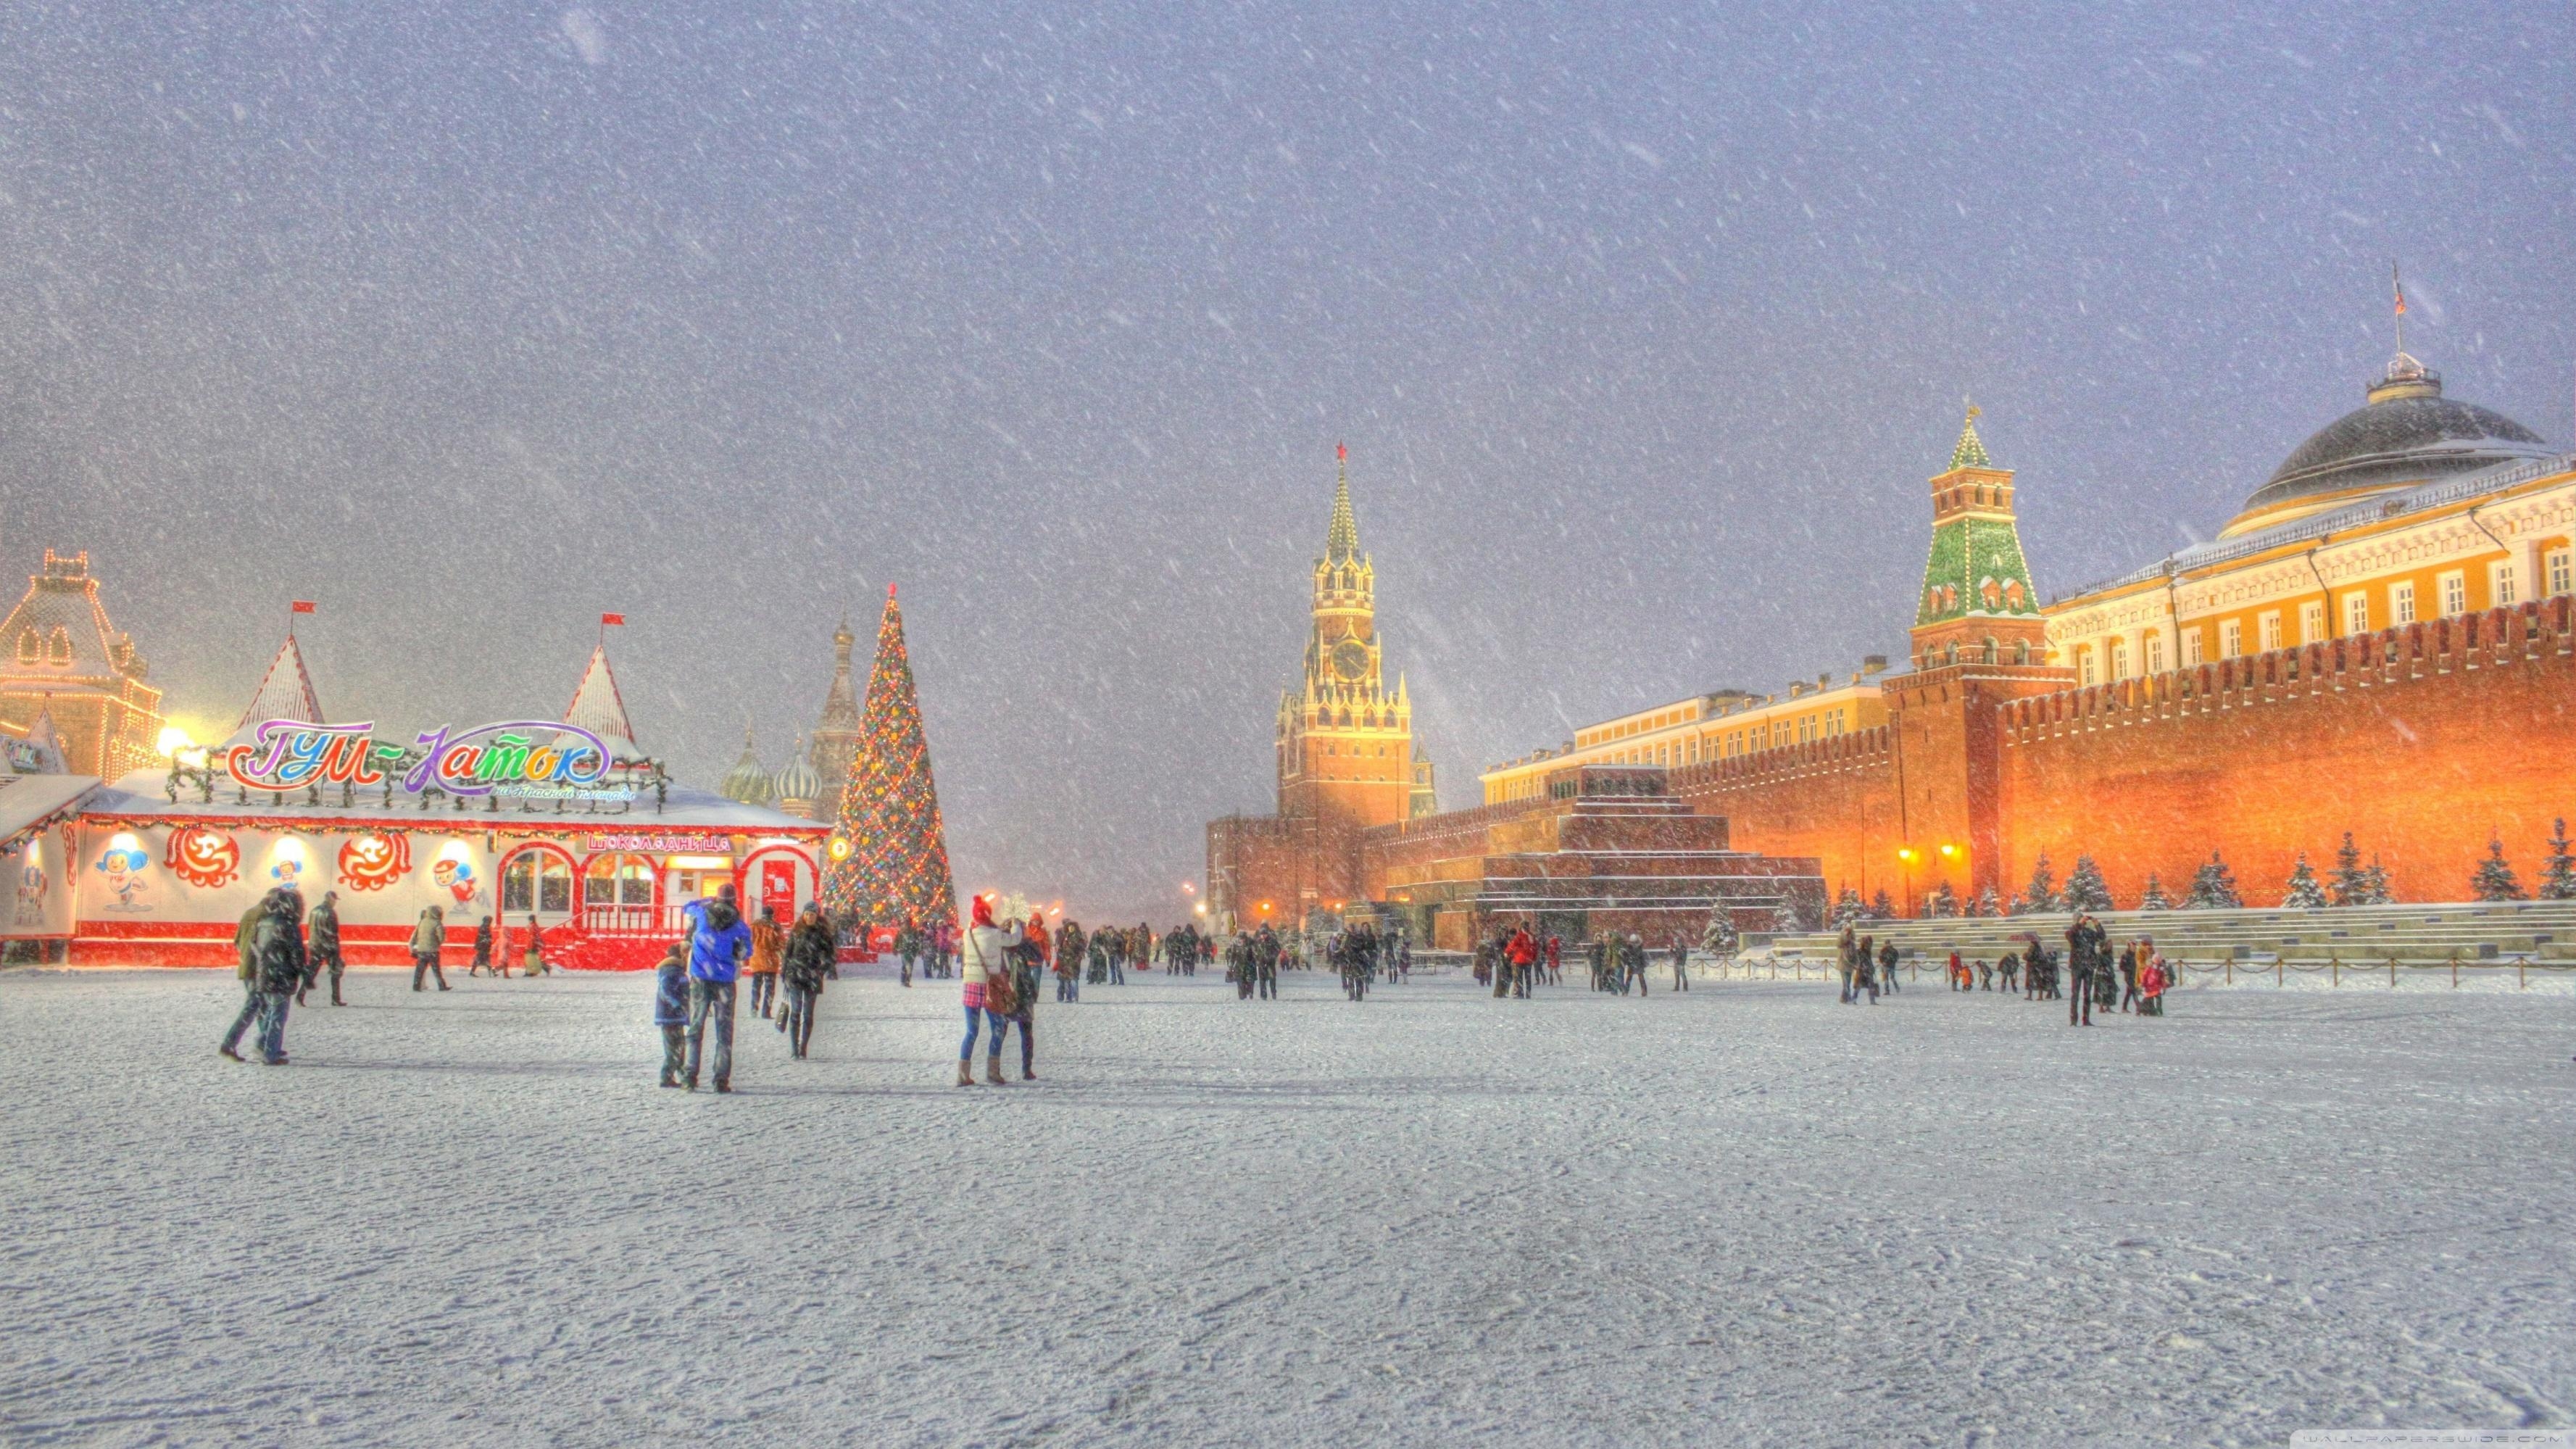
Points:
(1847, 910)
(2154, 899)
(1880, 907)
(2374, 886)
(2041, 893)
(1945, 903)
(2558, 874)
(2494, 879)
(2085, 888)
(1985, 906)
(2349, 882)
(2213, 887)
(1720, 938)
(2303, 892)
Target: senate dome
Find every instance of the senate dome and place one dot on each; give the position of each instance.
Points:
(2407, 434)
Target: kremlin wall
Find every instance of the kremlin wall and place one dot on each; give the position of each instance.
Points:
(2380, 642)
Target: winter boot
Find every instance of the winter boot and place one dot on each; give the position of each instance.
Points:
(965, 1073)
(668, 1080)
(993, 1071)
(225, 1051)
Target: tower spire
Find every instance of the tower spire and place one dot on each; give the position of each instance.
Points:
(1971, 452)
(1342, 542)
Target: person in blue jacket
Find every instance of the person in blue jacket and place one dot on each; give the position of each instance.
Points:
(671, 1009)
(718, 942)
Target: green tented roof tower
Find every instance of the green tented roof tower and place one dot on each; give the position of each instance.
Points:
(1977, 603)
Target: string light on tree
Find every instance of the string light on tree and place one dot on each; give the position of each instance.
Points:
(890, 858)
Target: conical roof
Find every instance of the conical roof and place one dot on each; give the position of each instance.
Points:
(597, 706)
(285, 691)
(1342, 541)
(746, 782)
(841, 704)
(1971, 451)
(47, 740)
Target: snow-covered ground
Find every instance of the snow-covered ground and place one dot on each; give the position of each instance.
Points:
(1742, 1216)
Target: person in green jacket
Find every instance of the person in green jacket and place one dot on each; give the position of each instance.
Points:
(246, 967)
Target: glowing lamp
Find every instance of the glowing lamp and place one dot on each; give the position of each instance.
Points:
(839, 848)
(173, 740)
(1905, 853)
(1949, 851)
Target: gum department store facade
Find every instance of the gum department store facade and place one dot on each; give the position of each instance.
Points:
(2378, 642)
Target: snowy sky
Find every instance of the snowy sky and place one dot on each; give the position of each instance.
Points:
(1644, 327)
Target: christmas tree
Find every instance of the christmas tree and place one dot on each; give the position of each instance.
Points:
(2154, 899)
(1720, 939)
(2041, 893)
(895, 870)
(2494, 880)
(1847, 910)
(1945, 903)
(2085, 889)
(2374, 886)
(2558, 876)
(2303, 893)
(1985, 906)
(2351, 882)
(2213, 887)
(1881, 908)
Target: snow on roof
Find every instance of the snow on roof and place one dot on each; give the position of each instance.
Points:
(285, 691)
(31, 802)
(597, 706)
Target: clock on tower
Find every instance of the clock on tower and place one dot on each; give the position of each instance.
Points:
(1345, 739)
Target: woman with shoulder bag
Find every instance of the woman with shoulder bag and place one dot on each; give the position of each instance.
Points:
(983, 978)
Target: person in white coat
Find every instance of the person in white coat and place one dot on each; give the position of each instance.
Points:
(985, 959)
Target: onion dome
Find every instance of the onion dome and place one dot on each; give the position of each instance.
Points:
(2407, 434)
(746, 782)
(796, 781)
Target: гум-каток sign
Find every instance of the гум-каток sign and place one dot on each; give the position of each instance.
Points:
(515, 758)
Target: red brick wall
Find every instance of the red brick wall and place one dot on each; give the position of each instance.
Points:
(2422, 741)
(1834, 800)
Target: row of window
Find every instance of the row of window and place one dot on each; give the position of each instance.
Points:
(52, 647)
(2403, 608)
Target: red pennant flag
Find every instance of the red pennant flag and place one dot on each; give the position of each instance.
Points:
(302, 606)
(606, 619)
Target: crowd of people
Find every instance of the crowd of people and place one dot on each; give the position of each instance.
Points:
(1001, 964)
(1515, 959)
(2086, 976)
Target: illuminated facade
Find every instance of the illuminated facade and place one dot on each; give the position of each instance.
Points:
(62, 662)
(2378, 642)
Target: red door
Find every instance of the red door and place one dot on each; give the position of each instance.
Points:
(778, 887)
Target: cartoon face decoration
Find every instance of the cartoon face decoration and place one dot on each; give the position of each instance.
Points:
(206, 859)
(287, 870)
(456, 877)
(374, 859)
(123, 864)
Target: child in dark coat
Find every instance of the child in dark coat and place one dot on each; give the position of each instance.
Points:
(671, 1010)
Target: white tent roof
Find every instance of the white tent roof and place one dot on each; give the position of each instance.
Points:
(597, 706)
(285, 692)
